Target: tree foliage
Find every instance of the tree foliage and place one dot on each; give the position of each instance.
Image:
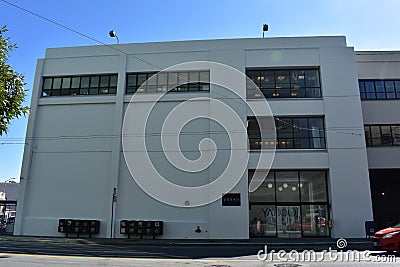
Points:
(12, 93)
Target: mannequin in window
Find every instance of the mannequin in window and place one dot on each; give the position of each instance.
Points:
(258, 226)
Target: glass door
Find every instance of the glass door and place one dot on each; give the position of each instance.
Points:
(288, 221)
(315, 220)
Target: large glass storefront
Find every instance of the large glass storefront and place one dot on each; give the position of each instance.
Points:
(290, 204)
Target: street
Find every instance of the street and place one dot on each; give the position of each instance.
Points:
(27, 253)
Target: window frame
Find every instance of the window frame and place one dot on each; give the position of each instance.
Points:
(301, 203)
(172, 78)
(81, 89)
(381, 140)
(375, 91)
(283, 90)
(299, 181)
(290, 141)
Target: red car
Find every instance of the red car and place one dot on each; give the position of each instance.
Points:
(387, 239)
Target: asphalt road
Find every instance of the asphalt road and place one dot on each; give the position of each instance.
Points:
(128, 251)
(160, 251)
(33, 254)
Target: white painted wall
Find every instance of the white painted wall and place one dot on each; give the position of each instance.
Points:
(74, 178)
(348, 177)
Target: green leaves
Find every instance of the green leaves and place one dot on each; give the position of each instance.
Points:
(12, 93)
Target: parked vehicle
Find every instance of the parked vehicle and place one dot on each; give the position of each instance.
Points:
(387, 239)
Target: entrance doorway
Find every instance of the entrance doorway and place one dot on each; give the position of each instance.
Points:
(385, 188)
(288, 221)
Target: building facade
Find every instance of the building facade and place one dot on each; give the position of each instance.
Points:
(75, 161)
(379, 83)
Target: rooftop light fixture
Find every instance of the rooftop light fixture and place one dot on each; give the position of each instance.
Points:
(113, 35)
(265, 29)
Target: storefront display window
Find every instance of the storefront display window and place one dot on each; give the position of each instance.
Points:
(290, 204)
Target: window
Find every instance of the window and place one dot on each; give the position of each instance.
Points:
(382, 135)
(266, 192)
(284, 83)
(290, 204)
(152, 82)
(313, 186)
(379, 89)
(287, 185)
(291, 133)
(79, 85)
(291, 187)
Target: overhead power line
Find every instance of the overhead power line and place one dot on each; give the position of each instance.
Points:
(12, 143)
(142, 60)
(366, 53)
(77, 32)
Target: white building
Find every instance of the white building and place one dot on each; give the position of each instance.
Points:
(74, 157)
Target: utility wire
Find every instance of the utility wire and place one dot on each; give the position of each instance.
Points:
(366, 53)
(77, 32)
(157, 134)
(13, 143)
(86, 36)
(130, 55)
(315, 129)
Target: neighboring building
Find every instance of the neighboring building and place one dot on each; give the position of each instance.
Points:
(8, 198)
(74, 160)
(379, 78)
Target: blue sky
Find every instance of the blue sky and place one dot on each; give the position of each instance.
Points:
(368, 25)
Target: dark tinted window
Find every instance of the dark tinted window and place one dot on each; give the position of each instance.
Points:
(284, 83)
(379, 89)
(291, 133)
(382, 135)
(79, 85)
(173, 81)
